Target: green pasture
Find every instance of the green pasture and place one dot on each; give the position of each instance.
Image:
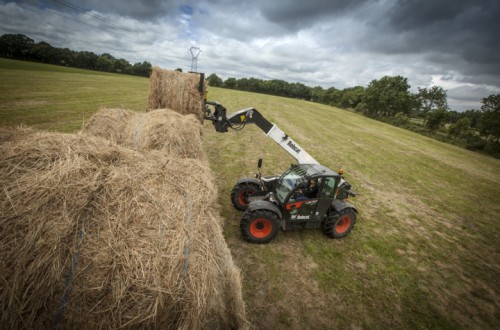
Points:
(425, 250)
(57, 98)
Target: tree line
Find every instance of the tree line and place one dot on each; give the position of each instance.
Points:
(21, 47)
(389, 99)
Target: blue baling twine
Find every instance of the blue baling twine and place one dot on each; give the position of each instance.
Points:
(188, 218)
(69, 283)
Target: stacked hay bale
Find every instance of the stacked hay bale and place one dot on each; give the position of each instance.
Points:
(163, 129)
(177, 91)
(96, 235)
(114, 227)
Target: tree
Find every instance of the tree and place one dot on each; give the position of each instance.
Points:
(16, 46)
(142, 69)
(45, 53)
(490, 121)
(21, 47)
(460, 128)
(230, 83)
(122, 66)
(351, 97)
(388, 96)
(431, 99)
(436, 119)
(474, 116)
(318, 94)
(65, 56)
(299, 90)
(105, 62)
(278, 87)
(242, 84)
(87, 60)
(254, 85)
(214, 80)
(333, 96)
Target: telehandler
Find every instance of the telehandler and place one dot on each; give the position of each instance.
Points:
(269, 202)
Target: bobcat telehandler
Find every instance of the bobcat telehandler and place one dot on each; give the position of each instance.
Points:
(273, 201)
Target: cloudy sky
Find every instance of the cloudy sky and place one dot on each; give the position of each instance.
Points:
(454, 44)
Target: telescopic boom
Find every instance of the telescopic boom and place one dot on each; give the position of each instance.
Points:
(240, 118)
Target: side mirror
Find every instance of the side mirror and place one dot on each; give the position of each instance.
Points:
(259, 164)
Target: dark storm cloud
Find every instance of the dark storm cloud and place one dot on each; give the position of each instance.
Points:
(417, 14)
(466, 30)
(300, 14)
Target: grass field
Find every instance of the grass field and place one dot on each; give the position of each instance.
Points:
(58, 98)
(423, 254)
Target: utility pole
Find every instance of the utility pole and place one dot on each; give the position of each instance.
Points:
(195, 51)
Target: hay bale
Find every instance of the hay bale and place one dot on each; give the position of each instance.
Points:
(164, 130)
(177, 91)
(93, 235)
(109, 124)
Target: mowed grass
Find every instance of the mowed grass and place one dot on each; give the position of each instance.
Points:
(423, 254)
(51, 97)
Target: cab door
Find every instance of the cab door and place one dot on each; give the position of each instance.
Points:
(314, 209)
(326, 195)
(302, 210)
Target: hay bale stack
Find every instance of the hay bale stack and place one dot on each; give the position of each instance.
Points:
(164, 130)
(93, 235)
(177, 91)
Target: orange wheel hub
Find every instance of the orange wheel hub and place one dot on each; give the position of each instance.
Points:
(343, 225)
(242, 197)
(261, 228)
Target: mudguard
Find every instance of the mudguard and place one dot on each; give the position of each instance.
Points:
(339, 205)
(249, 180)
(264, 205)
(267, 180)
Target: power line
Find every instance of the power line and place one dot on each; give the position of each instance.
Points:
(58, 13)
(46, 10)
(87, 12)
(63, 16)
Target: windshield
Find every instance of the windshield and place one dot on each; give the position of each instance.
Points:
(290, 179)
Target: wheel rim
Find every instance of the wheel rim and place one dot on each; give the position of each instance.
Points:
(242, 197)
(261, 228)
(343, 224)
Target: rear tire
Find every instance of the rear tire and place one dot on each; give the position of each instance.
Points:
(240, 194)
(339, 225)
(259, 226)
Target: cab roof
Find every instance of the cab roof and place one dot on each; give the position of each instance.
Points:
(314, 170)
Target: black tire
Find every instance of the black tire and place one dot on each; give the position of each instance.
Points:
(339, 225)
(259, 226)
(240, 193)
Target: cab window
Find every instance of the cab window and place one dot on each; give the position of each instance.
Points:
(328, 188)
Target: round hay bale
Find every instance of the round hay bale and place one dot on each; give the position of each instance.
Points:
(93, 235)
(109, 124)
(165, 130)
(177, 91)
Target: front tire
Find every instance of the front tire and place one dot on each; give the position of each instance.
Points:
(259, 226)
(340, 224)
(240, 194)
